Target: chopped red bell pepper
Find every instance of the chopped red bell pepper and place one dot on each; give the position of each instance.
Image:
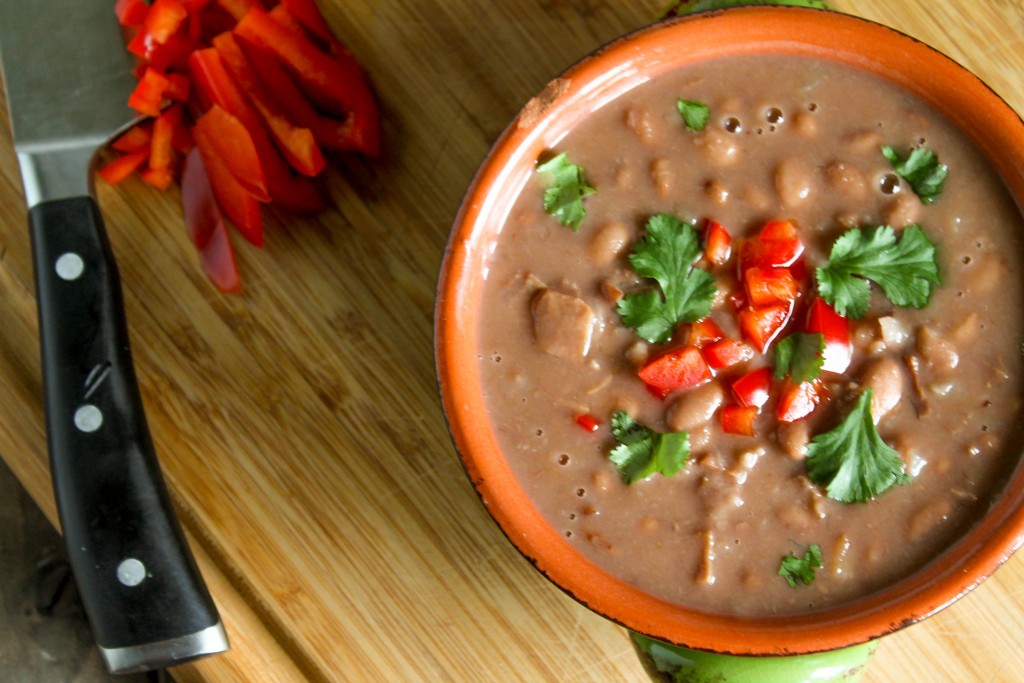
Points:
(680, 368)
(218, 261)
(148, 96)
(233, 144)
(761, 326)
(717, 243)
(335, 86)
(237, 203)
(767, 286)
(309, 15)
(823, 319)
(798, 400)
(588, 422)
(704, 332)
(164, 19)
(123, 166)
(297, 144)
(161, 153)
(238, 8)
(134, 139)
(178, 87)
(726, 353)
(200, 206)
(160, 178)
(779, 230)
(740, 420)
(754, 388)
(131, 13)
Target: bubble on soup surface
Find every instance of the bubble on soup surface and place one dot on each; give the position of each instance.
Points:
(733, 125)
(774, 115)
(889, 183)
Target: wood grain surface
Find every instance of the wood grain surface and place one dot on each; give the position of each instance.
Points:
(299, 424)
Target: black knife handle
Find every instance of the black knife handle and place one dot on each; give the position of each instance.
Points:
(139, 582)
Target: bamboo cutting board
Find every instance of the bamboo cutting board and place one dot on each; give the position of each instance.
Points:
(299, 425)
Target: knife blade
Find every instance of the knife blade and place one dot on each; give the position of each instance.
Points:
(67, 78)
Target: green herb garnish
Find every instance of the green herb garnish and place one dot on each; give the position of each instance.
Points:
(681, 7)
(905, 269)
(852, 460)
(563, 199)
(801, 569)
(695, 114)
(800, 355)
(643, 452)
(667, 254)
(920, 168)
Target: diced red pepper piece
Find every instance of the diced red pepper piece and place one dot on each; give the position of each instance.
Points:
(235, 148)
(704, 332)
(148, 96)
(767, 286)
(588, 422)
(761, 326)
(798, 400)
(238, 8)
(738, 420)
(161, 151)
(164, 19)
(234, 200)
(198, 203)
(297, 144)
(342, 91)
(823, 319)
(778, 253)
(681, 368)
(134, 139)
(726, 353)
(754, 388)
(123, 166)
(717, 243)
(309, 15)
(160, 178)
(131, 13)
(177, 87)
(779, 230)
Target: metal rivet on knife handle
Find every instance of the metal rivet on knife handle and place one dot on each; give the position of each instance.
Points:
(70, 266)
(131, 572)
(88, 418)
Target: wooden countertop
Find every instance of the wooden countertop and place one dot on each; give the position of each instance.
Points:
(299, 425)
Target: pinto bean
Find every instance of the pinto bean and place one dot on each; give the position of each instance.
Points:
(929, 517)
(716, 191)
(563, 324)
(663, 177)
(718, 147)
(864, 142)
(985, 275)
(805, 125)
(794, 437)
(902, 210)
(940, 354)
(608, 242)
(847, 180)
(793, 182)
(640, 122)
(696, 407)
(884, 375)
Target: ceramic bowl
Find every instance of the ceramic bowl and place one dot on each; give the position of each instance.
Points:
(596, 80)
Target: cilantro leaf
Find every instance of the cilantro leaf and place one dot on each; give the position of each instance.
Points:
(852, 460)
(681, 7)
(905, 269)
(563, 199)
(801, 569)
(643, 452)
(695, 114)
(800, 355)
(920, 168)
(667, 254)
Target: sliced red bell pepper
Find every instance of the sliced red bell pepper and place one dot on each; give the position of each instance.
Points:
(823, 319)
(767, 286)
(680, 368)
(335, 86)
(754, 388)
(218, 261)
(726, 353)
(740, 420)
(779, 230)
(588, 422)
(165, 17)
(704, 332)
(717, 243)
(197, 201)
(230, 140)
(160, 178)
(778, 253)
(297, 144)
(761, 326)
(134, 139)
(131, 13)
(798, 400)
(148, 96)
(309, 15)
(235, 201)
(161, 153)
(123, 166)
(178, 87)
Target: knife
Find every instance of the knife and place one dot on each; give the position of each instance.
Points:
(67, 77)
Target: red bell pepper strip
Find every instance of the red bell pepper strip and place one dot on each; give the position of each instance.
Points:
(164, 19)
(761, 326)
(218, 260)
(704, 332)
(779, 230)
(238, 8)
(297, 144)
(726, 353)
(588, 422)
(160, 178)
(230, 140)
(237, 203)
(767, 286)
(134, 139)
(823, 319)
(334, 85)
(178, 87)
(798, 400)
(309, 15)
(131, 13)
(123, 166)
(681, 368)
(197, 201)
(299, 20)
(738, 420)
(754, 388)
(148, 96)
(717, 243)
(161, 153)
